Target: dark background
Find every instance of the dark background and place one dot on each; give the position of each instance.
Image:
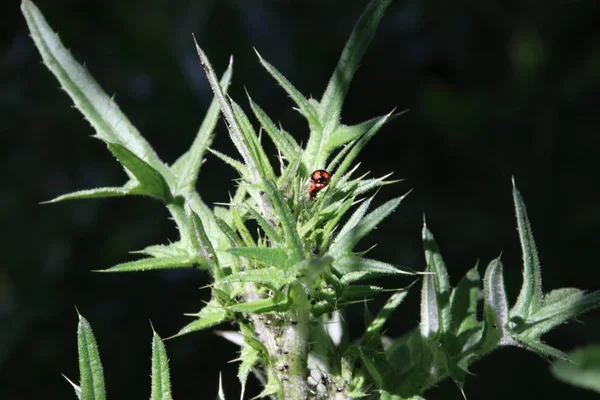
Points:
(494, 89)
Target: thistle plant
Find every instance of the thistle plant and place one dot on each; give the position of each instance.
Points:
(284, 286)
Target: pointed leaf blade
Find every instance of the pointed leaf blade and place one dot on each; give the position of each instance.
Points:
(354, 269)
(235, 131)
(100, 110)
(436, 265)
(430, 313)
(270, 256)
(375, 327)
(495, 306)
(97, 193)
(209, 316)
(187, 167)
(356, 46)
(463, 302)
(531, 296)
(540, 348)
(271, 276)
(148, 264)
(152, 182)
(161, 380)
(90, 366)
(250, 357)
(286, 144)
(304, 106)
(346, 241)
(288, 223)
(275, 303)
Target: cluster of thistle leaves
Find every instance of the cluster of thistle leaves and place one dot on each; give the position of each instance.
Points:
(302, 264)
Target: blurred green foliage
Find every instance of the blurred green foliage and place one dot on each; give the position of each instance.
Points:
(494, 90)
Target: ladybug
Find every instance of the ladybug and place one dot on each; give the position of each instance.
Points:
(318, 180)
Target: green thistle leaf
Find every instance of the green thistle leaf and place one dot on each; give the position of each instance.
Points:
(149, 264)
(531, 296)
(90, 366)
(161, 381)
(272, 277)
(495, 307)
(100, 110)
(304, 106)
(212, 314)
(187, 167)
(265, 255)
(374, 329)
(152, 182)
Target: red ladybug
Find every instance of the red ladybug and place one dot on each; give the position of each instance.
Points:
(318, 180)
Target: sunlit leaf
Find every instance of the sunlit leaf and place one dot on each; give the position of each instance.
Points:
(98, 108)
(186, 168)
(531, 296)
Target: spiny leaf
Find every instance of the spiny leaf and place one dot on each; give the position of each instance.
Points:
(152, 182)
(238, 166)
(256, 150)
(463, 302)
(538, 347)
(531, 296)
(304, 106)
(347, 133)
(271, 233)
(97, 193)
(366, 185)
(331, 224)
(347, 239)
(233, 237)
(354, 268)
(357, 147)
(322, 216)
(90, 366)
(288, 223)
(250, 357)
(235, 131)
(161, 250)
(239, 225)
(271, 276)
(274, 303)
(285, 143)
(356, 46)
(495, 306)
(375, 328)
(212, 314)
(186, 168)
(554, 313)
(436, 265)
(352, 222)
(340, 156)
(161, 381)
(265, 255)
(148, 264)
(361, 292)
(200, 242)
(100, 110)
